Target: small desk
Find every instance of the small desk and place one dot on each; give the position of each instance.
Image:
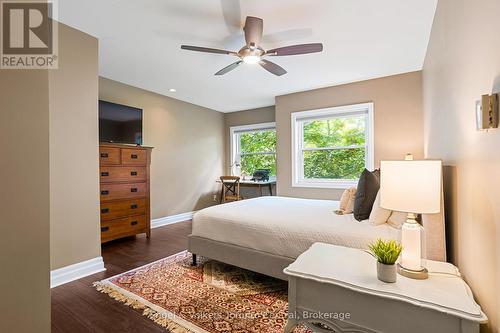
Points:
(260, 184)
(338, 287)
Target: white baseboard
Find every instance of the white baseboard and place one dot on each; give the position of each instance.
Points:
(79, 270)
(162, 221)
(76, 271)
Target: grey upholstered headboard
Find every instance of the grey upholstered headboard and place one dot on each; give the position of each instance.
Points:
(435, 234)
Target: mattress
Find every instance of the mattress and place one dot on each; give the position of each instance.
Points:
(285, 226)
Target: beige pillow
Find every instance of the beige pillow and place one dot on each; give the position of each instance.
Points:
(347, 201)
(381, 215)
(378, 214)
(397, 219)
(344, 199)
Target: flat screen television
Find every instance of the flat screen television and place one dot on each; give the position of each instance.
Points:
(119, 123)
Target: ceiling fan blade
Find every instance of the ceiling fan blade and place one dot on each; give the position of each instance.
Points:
(253, 30)
(229, 68)
(272, 67)
(205, 49)
(296, 49)
(231, 11)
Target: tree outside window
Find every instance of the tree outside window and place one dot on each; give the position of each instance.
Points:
(253, 147)
(334, 148)
(331, 147)
(258, 151)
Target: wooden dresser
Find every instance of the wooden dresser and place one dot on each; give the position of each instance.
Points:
(124, 186)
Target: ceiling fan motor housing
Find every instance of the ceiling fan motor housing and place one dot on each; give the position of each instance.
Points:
(251, 51)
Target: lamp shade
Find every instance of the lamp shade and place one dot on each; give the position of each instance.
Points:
(411, 186)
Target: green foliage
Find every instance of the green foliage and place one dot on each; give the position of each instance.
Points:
(258, 142)
(333, 162)
(336, 132)
(387, 252)
(250, 163)
(258, 151)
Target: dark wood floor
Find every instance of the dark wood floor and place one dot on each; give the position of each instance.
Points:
(78, 307)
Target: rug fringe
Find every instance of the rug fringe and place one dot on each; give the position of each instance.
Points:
(152, 314)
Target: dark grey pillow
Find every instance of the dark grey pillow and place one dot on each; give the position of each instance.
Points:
(366, 193)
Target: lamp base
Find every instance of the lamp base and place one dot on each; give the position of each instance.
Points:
(409, 273)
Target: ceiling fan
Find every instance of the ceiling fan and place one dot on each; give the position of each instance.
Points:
(253, 53)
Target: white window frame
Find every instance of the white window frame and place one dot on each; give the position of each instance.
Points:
(234, 142)
(298, 179)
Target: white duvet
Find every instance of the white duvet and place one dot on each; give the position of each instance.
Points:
(285, 226)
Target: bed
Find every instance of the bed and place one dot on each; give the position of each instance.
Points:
(266, 234)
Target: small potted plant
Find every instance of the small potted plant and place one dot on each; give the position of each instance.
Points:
(387, 253)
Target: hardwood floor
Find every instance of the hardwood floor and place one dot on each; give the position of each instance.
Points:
(78, 307)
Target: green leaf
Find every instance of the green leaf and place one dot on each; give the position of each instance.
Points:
(387, 252)
(252, 145)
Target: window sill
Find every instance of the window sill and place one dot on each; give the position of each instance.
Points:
(340, 184)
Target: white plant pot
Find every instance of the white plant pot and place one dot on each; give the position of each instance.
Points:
(386, 273)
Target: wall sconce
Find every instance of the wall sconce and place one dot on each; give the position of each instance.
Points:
(487, 112)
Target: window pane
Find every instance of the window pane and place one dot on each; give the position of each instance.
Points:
(335, 132)
(334, 164)
(250, 163)
(258, 142)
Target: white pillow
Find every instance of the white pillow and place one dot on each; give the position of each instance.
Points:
(346, 205)
(397, 219)
(378, 214)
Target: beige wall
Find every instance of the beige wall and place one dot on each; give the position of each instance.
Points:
(463, 62)
(24, 258)
(188, 141)
(397, 115)
(74, 181)
(249, 117)
(240, 118)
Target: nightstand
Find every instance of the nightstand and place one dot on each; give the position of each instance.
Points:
(337, 288)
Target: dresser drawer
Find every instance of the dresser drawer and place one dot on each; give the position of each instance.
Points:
(133, 156)
(122, 174)
(115, 209)
(123, 227)
(109, 155)
(122, 191)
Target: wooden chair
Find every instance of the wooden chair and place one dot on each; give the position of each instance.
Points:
(230, 188)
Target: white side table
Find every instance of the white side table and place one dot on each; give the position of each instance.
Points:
(338, 288)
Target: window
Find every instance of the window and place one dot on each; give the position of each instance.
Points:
(332, 146)
(253, 147)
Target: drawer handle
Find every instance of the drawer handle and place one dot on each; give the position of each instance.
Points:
(106, 192)
(104, 229)
(133, 173)
(104, 155)
(133, 206)
(104, 174)
(133, 223)
(104, 210)
(133, 156)
(133, 190)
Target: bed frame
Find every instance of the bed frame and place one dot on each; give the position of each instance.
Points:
(273, 265)
(253, 260)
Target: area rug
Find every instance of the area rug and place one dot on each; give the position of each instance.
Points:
(210, 297)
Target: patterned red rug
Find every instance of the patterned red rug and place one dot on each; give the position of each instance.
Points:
(211, 297)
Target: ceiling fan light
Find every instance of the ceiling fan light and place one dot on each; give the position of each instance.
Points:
(251, 59)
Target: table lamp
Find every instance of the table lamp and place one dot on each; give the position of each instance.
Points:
(413, 187)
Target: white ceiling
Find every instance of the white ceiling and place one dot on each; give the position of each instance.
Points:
(139, 44)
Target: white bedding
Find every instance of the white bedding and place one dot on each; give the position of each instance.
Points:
(285, 226)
